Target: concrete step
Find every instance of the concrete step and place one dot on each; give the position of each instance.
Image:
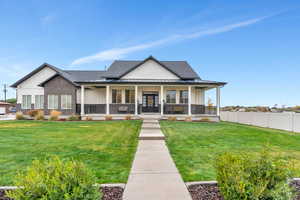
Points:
(150, 121)
(151, 134)
(150, 126)
(151, 137)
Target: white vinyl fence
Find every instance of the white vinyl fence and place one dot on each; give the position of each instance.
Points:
(284, 121)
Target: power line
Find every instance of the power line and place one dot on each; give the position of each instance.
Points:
(5, 91)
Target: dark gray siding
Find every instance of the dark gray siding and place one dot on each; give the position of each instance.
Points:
(60, 86)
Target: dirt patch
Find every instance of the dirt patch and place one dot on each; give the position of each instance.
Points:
(211, 191)
(109, 193)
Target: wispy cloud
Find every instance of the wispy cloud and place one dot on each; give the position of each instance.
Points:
(117, 53)
(48, 19)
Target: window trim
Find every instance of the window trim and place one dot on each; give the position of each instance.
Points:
(112, 97)
(55, 105)
(174, 97)
(25, 102)
(66, 105)
(180, 97)
(41, 103)
(133, 94)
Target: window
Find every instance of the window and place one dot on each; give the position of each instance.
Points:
(26, 101)
(129, 96)
(52, 101)
(171, 96)
(39, 102)
(116, 96)
(184, 96)
(66, 101)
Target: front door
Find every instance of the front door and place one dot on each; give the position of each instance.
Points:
(150, 102)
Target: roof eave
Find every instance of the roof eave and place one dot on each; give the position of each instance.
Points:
(15, 85)
(55, 75)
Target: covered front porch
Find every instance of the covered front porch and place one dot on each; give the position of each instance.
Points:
(157, 100)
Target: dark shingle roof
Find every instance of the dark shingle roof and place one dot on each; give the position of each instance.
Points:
(121, 67)
(180, 68)
(78, 75)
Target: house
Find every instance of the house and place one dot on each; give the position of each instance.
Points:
(136, 87)
(5, 108)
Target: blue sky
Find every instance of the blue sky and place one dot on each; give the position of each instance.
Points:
(253, 45)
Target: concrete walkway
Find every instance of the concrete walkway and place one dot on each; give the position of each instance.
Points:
(154, 175)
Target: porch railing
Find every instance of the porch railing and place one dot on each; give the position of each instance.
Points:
(92, 108)
(130, 109)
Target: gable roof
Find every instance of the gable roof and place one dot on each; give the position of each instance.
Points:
(181, 69)
(34, 72)
(70, 75)
(120, 68)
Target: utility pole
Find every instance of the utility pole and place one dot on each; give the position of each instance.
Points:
(5, 91)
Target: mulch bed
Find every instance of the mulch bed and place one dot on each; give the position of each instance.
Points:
(109, 193)
(112, 193)
(211, 191)
(197, 191)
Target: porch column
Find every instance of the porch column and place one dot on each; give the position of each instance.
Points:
(136, 100)
(82, 100)
(162, 100)
(107, 99)
(218, 100)
(190, 100)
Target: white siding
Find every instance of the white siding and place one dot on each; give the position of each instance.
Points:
(92, 96)
(150, 70)
(98, 96)
(30, 86)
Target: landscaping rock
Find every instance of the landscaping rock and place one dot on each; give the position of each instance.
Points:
(2, 195)
(211, 191)
(205, 192)
(109, 193)
(112, 193)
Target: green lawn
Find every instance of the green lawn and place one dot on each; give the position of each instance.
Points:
(106, 147)
(194, 146)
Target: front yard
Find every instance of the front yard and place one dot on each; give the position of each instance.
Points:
(106, 147)
(194, 146)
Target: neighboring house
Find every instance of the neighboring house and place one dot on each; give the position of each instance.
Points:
(4, 108)
(126, 87)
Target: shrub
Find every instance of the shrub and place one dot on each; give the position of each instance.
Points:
(108, 117)
(128, 117)
(262, 177)
(54, 115)
(40, 115)
(33, 113)
(19, 116)
(54, 179)
(74, 118)
(172, 118)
